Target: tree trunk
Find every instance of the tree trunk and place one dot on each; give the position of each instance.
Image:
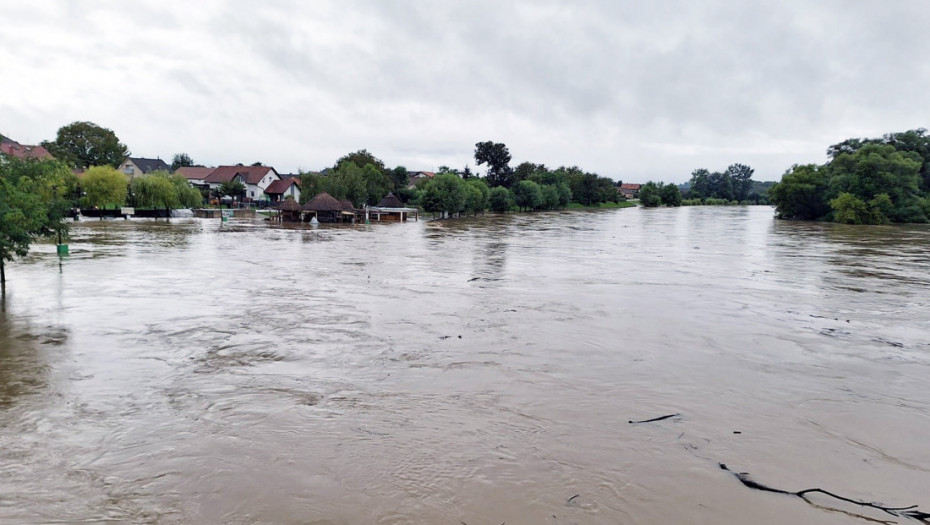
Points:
(2, 277)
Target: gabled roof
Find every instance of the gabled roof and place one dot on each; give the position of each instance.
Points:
(323, 202)
(194, 172)
(278, 187)
(630, 186)
(149, 165)
(429, 174)
(249, 174)
(390, 201)
(20, 151)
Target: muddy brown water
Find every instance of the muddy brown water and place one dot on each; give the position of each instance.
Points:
(480, 371)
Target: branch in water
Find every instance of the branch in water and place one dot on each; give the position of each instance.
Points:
(654, 419)
(907, 512)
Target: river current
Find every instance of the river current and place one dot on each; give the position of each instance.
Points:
(474, 371)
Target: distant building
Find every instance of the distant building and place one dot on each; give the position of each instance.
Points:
(630, 191)
(22, 151)
(255, 178)
(138, 166)
(196, 175)
(281, 189)
(417, 176)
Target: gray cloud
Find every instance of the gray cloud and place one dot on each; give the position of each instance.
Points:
(632, 90)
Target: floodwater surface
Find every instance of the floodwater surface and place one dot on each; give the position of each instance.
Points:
(476, 371)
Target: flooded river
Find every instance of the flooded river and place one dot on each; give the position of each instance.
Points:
(479, 371)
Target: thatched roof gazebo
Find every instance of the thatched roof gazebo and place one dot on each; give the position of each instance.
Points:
(326, 208)
(289, 210)
(391, 209)
(390, 201)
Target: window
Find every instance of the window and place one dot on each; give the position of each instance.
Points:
(128, 170)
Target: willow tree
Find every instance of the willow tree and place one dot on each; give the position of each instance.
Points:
(104, 186)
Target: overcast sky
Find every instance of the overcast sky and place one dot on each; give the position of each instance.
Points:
(631, 90)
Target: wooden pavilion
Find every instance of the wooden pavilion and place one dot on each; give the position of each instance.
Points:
(391, 209)
(289, 210)
(326, 208)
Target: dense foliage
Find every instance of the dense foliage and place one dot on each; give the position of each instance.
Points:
(85, 144)
(363, 179)
(181, 160)
(867, 181)
(34, 197)
(733, 184)
(163, 190)
(654, 194)
(104, 186)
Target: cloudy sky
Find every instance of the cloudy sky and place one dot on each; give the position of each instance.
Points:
(630, 90)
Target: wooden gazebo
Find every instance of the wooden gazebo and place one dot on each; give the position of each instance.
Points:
(391, 209)
(289, 211)
(326, 208)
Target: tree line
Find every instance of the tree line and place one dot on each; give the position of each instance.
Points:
(866, 181)
(364, 179)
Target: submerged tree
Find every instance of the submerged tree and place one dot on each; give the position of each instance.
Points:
(104, 186)
(34, 196)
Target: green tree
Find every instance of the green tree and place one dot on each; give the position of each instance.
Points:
(33, 201)
(527, 195)
(360, 158)
(801, 194)
(155, 191)
(478, 194)
(104, 186)
(181, 160)
(700, 184)
(232, 188)
(161, 190)
(85, 144)
(400, 177)
(550, 197)
(500, 199)
(876, 169)
(445, 193)
(497, 157)
(671, 195)
(649, 195)
(565, 193)
(377, 184)
(741, 178)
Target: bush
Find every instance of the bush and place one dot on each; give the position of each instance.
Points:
(500, 199)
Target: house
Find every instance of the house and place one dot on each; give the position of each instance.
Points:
(630, 191)
(138, 166)
(255, 178)
(196, 175)
(22, 151)
(391, 209)
(416, 176)
(281, 189)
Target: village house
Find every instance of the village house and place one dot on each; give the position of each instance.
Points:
(22, 151)
(630, 191)
(196, 175)
(281, 189)
(416, 176)
(138, 166)
(255, 178)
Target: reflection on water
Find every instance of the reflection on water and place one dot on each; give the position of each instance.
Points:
(473, 371)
